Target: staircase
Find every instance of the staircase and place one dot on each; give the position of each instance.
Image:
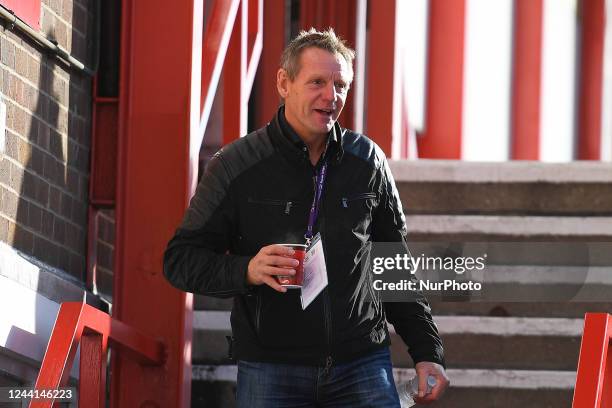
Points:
(548, 231)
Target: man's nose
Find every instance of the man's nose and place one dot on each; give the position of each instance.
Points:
(329, 93)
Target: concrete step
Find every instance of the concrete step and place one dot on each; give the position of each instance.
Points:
(519, 309)
(214, 386)
(526, 252)
(201, 302)
(532, 291)
(503, 343)
(516, 309)
(526, 283)
(470, 341)
(466, 307)
(509, 290)
(485, 228)
(520, 188)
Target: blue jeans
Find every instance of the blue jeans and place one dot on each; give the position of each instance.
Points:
(364, 382)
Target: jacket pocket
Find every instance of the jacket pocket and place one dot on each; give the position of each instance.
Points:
(282, 206)
(348, 201)
(354, 214)
(266, 221)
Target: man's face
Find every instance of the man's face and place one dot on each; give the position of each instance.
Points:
(315, 98)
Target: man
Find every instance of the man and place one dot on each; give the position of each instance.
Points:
(302, 175)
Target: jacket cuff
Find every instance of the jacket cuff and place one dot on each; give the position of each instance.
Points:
(435, 356)
(239, 278)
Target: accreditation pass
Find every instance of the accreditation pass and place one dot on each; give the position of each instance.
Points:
(315, 272)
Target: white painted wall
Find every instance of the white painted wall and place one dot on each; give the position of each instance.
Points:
(487, 80)
(359, 66)
(558, 109)
(412, 21)
(27, 328)
(26, 317)
(398, 78)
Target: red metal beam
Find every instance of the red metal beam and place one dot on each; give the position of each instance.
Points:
(341, 15)
(309, 17)
(92, 370)
(273, 44)
(80, 323)
(345, 13)
(593, 381)
(56, 364)
(235, 97)
(154, 185)
(380, 86)
(591, 79)
(527, 69)
(214, 50)
(255, 41)
(239, 70)
(444, 109)
(103, 165)
(103, 150)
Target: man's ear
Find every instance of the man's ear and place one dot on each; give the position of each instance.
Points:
(282, 82)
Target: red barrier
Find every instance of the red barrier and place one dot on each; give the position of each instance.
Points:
(594, 378)
(94, 330)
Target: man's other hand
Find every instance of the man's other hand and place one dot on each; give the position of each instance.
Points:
(425, 369)
(270, 261)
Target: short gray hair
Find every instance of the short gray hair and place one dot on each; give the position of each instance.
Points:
(326, 40)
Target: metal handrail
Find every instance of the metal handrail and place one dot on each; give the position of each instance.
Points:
(51, 45)
(593, 389)
(78, 323)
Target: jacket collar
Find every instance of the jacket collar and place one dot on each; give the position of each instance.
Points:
(292, 146)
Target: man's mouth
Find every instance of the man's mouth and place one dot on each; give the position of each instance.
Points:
(327, 112)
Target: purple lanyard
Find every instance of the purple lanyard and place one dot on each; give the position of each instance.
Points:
(316, 201)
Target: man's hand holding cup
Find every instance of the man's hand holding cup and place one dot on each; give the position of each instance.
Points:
(271, 262)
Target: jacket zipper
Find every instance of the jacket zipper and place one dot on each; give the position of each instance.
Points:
(363, 196)
(283, 203)
(328, 363)
(326, 307)
(257, 313)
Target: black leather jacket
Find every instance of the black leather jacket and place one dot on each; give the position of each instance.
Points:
(258, 191)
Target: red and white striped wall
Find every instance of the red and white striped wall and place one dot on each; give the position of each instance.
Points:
(503, 80)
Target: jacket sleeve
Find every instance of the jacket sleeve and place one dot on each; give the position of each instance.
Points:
(196, 258)
(412, 320)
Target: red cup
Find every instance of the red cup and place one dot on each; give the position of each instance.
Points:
(296, 280)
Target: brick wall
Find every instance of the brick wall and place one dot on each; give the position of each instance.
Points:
(44, 166)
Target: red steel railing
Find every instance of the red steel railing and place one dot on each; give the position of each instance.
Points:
(594, 378)
(78, 323)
